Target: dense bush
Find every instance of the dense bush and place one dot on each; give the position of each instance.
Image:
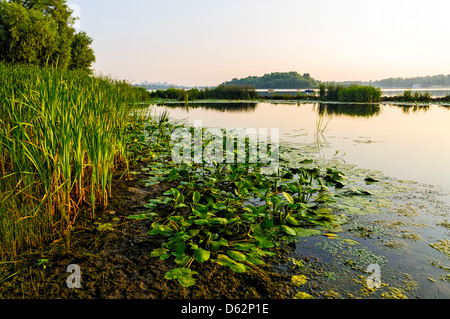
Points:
(416, 97)
(278, 80)
(353, 93)
(227, 92)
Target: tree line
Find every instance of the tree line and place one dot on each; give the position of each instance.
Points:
(425, 81)
(278, 80)
(226, 92)
(39, 32)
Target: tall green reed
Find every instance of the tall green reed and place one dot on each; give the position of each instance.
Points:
(62, 135)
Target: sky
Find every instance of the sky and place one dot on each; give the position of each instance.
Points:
(207, 42)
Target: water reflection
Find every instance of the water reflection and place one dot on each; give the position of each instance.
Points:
(235, 107)
(408, 109)
(328, 109)
(347, 109)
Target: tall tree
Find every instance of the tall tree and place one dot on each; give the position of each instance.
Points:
(26, 36)
(40, 32)
(60, 13)
(82, 55)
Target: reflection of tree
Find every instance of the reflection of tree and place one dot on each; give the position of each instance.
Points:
(219, 107)
(348, 109)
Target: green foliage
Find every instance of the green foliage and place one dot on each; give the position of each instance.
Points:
(37, 32)
(415, 97)
(27, 36)
(353, 93)
(233, 214)
(82, 56)
(426, 81)
(62, 135)
(229, 92)
(288, 80)
(183, 275)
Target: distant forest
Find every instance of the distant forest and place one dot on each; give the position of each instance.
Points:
(287, 80)
(294, 80)
(419, 81)
(424, 81)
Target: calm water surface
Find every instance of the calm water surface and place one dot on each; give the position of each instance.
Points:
(403, 142)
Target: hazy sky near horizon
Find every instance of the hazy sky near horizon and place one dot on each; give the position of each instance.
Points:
(207, 42)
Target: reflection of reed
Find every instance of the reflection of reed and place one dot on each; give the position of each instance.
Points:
(407, 109)
(348, 109)
(319, 137)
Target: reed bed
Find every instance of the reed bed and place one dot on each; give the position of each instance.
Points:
(352, 93)
(62, 136)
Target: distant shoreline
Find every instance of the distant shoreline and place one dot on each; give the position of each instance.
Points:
(291, 101)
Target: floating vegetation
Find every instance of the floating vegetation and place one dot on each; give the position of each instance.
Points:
(394, 293)
(442, 246)
(445, 224)
(351, 254)
(303, 295)
(366, 229)
(411, 236)
(232, 214)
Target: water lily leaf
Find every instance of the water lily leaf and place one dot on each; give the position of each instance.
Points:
(182, 259)
(264, 242)
(267, 223)
(291, 220)
(356, 191)
(236, 255)
(183, 275)
(202, 222)
(219, 206)
(201, 255)
(142, 216)
(218, 221)
(254, 260)
(288, 197)
(159, 252)
(215, 245)
(299, 280)
(243, 246)
(224, 260)
(161, 230)
(196, 197)
(288, 230)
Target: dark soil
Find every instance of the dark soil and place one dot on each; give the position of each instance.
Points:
(116, 263)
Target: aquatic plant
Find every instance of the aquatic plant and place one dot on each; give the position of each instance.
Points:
(352, 93)
(233, 214)
(229, 92)
(62, 135)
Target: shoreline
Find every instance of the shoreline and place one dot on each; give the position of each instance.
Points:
(291, 101)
